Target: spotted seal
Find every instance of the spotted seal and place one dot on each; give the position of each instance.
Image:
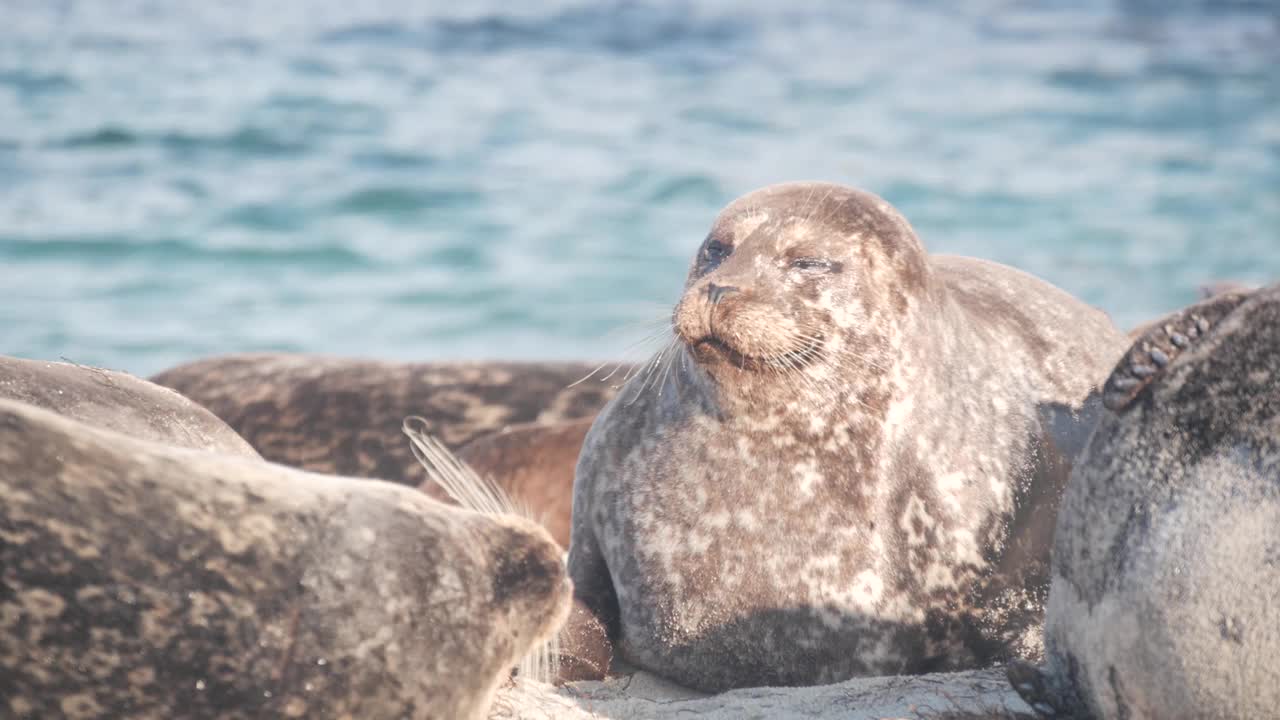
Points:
(1166, 558)
(119, 401)
(145, 580)
(851, 462)
(343, 415)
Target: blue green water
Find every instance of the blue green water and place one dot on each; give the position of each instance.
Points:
(409, 179)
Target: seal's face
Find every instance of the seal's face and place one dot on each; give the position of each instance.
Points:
(789, 277)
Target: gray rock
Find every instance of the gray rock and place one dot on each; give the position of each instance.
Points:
(974, 695)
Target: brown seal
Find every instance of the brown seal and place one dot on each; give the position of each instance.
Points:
(850, 466)
(144, 580)
(344, 415)
(533, 464)
(1166, 558)
(117, 401)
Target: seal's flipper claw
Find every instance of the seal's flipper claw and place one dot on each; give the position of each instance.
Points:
(1160, 345)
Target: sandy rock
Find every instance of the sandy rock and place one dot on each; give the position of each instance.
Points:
(977, 695)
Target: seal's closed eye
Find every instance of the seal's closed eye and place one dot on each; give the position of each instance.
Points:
(815, 265)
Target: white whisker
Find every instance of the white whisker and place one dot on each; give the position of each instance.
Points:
(470, 490)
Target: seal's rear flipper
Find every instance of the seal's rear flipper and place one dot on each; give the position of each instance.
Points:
(1161, 342)
(586, 652)
(1042, 693)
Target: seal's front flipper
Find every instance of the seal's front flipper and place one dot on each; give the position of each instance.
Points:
(1160, 343)
(586, 653)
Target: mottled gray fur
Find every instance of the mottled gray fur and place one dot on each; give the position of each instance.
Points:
(118, 401)
(1165, 599)
(146, 581)
(847, 467)
(342, 415)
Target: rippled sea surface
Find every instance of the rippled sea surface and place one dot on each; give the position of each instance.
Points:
(412, 179)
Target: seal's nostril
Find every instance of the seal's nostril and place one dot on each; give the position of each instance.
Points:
(716, 293)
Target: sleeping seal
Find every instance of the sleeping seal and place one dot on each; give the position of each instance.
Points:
(851, 463)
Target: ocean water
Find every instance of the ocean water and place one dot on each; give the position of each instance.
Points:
(421, 180)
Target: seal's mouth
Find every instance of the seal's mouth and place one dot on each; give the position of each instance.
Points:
(711, 349)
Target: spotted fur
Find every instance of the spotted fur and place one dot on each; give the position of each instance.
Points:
(143, 580)
(1166, 559)
(851, 461)
(342, 415)
(118, 401)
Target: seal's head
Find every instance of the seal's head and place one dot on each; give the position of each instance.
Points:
(799, 277)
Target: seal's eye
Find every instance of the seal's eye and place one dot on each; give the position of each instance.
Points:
(712, 255)
(716, 251)
(812, 264)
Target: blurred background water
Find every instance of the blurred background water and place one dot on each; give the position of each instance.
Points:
(414, 179)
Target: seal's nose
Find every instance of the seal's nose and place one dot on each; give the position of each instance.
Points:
(716, 293)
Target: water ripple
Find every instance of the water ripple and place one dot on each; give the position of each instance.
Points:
(634, 29)
(418, 180)
(108, 248)
(247, 141)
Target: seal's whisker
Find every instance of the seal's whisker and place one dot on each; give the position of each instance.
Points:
(648, 340)
(651, 369)
(473, 491)
(651, 362)
(670, 362)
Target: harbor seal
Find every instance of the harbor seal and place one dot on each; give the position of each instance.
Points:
(343, 415)
(119, 401)
(1166, 559)
(144, 580)
(850, 464)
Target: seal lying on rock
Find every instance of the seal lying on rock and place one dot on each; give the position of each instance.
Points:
(119, 401)
(143, 580)
(1166, 562)
(849, 467)
(343, 415)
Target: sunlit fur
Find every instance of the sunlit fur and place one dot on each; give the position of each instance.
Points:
(788, 322)
(839, 466)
